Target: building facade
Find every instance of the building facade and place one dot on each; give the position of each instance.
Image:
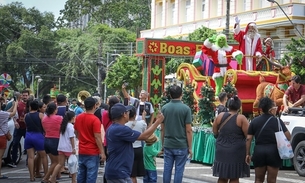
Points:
(178, 18)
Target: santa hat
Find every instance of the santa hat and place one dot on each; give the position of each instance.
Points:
(252, 24)
(267, 39)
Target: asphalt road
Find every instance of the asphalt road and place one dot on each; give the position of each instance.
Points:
(194, 173)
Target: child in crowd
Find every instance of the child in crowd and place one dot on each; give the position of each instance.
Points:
(66, 144)
(150, 154)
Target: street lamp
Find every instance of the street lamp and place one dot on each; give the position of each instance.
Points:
(273, 1)
(38, 81)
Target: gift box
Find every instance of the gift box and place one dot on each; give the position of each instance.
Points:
(197, 62)
(207, 66)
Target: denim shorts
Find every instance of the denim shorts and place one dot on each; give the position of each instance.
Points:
(34, 140)
(50, 146)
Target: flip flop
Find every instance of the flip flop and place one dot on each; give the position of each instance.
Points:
(3, 177)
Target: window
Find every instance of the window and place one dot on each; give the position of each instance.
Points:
(265, 3)
(188, 13)
(174, 16)
(203, 8)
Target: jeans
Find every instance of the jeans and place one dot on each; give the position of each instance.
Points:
(18, 134)
(127, 180)
(150, 176)
(87, 168)
(179, 156)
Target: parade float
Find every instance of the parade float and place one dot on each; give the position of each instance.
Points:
(251, 85)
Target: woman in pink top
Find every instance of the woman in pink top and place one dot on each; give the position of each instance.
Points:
(51, 125)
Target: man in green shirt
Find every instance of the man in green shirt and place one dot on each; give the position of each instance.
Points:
(176, 134)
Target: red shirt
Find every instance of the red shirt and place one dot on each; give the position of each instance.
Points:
(21, 112)
(106, 123)
(87, 125)
(51, 125)
(295, 95)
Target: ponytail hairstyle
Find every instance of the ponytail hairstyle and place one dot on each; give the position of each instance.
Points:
(68, 117)
(234, 103)
(112, 100)
(51, 108)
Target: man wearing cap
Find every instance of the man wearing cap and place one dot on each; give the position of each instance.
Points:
(119, 144)
(141, 104)
(176, 135)
(249, 43)
(295, 94)
(88, 131)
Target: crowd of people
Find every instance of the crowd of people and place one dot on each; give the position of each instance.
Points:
(121, 135)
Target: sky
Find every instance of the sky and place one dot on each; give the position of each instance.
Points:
(53, 6)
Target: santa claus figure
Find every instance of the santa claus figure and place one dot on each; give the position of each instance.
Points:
(249, 43)
(221, 54)
(269, 52)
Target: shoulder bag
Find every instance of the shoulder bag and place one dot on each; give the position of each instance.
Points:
(8, 135)
(283, 145)
(263, 127)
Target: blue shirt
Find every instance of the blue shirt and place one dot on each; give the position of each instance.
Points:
(78, 110)
(61, 111)
(120, 151)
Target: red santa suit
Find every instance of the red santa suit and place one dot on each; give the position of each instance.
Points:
(219, 57)
(249, 47)
(269, 52)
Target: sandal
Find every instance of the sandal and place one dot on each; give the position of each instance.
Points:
(32, 180)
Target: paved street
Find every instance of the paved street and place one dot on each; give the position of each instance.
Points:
(194, 173)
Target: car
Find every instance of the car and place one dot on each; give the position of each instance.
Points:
(7, 156)
(295, 123)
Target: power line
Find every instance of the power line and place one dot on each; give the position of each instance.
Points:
(49, 64)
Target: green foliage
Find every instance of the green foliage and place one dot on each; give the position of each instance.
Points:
(230, 89)
(81, 47)
(188, 97)
(125, 69)
(201, 34)
(297, 52)
(206, 104)
(166, 98)
(173, 64)
(132, 15)
(26, 34)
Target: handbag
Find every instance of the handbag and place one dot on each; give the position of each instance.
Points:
(8, 135)
(283, 145)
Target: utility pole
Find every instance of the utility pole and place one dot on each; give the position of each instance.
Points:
(99, 78)
(227, 19)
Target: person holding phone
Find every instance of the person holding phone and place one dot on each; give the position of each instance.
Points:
(140, 104)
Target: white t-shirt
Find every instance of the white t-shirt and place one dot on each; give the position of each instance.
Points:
(139, 117)
(139, 126)
(64, 143)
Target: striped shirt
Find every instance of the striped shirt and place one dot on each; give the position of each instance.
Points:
(3, 122)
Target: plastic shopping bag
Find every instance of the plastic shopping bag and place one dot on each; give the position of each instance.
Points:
(283, 145)
(72, 164)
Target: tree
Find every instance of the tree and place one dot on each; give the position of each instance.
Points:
(296, 51)
(82, 48)
(133, 15)
(201, 34)
(188, 96)
(124, 69)
(206, 104)
(25, 41)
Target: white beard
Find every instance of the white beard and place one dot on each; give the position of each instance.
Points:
(251, 34)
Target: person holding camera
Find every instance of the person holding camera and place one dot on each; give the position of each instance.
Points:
(140, 104)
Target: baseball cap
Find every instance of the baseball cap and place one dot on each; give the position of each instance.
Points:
(118, 110)
(89, 102)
